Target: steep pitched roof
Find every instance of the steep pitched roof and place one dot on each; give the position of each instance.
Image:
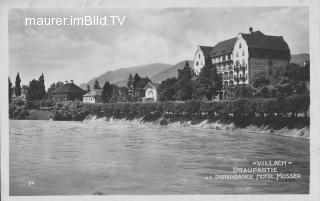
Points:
(206, 50)
(151, 84)
(265, 46)
(94, 93)
(69, 88)
(223, 47)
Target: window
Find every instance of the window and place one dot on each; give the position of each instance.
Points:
(242, 52)
(239, 45)
(197, 63)
(199, 56)
(243, 62)
(237, 54)
(150, 93)
(237, 63)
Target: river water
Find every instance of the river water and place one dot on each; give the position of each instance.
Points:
(84, 158)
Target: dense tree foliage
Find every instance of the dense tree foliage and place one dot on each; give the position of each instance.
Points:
(42, 88)
(185, 86)
(130, 88)
(107, 92)
(282, 82)
(253, 109)
(9, 89)
(96, 85)
(167, 89)
(135, 87)
(36, 89)
(17, 87)
(208, 83)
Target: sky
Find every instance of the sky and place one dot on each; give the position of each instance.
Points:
(164, 35)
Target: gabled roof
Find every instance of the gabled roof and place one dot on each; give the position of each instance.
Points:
(69, 88)
(265, 46)
(206, 50)
(94, 93)
(258, 40)
(150, 84)
(223, 47)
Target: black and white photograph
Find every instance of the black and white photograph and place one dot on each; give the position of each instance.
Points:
(180, 100)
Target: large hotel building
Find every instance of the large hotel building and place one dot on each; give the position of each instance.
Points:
(239, 59)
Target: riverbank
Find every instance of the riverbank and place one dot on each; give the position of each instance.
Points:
(286, 117)
(302, 132)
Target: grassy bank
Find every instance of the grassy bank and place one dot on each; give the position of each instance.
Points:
(38, 115)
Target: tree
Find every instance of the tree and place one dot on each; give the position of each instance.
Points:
(88, 88)
(136, 79)
(139, 88)
(33, 91)
(9, 90)
(42, 89)
(17, 85)
(185, 83)
(208, 83)
(96, 85)
(130, 88)
(107, 92)
(167, 89)
(282, 82)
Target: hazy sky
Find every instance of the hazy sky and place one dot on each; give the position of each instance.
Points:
(147, 36)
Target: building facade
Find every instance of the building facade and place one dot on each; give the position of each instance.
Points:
(68, 92)
(238, 60)
(256, 52)
(150, 93)
(202, 55)
(93, 96)
(222, 59)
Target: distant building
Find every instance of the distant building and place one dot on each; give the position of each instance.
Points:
(68, 92)
(256, 52)
(24, 93)
(93, 96)
(150, 92)
(200, 58)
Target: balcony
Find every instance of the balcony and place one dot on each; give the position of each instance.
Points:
(243, 68)
(242, 78)
(227, 77)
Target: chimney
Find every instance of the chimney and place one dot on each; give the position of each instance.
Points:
(66, 81)
(71, 81)
(251, 30)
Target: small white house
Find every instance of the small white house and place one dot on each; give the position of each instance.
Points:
(150, 93)
(93, 96)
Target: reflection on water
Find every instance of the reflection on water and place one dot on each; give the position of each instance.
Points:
(76, 158)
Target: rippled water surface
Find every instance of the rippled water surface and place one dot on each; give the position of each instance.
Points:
(76, 158)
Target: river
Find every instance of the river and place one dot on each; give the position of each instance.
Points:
(84, 158)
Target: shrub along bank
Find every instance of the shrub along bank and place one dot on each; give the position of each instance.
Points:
(276, 113)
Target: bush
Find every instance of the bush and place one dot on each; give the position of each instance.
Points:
(150, 110)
